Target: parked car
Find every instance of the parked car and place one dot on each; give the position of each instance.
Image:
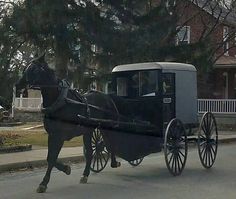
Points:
(4, 114)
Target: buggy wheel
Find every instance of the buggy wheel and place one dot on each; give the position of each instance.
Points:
(100, 153)
(207, 140)
(175, 147)
(136, 162)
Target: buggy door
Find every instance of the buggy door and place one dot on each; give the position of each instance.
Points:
(142, 94)
(168, 82)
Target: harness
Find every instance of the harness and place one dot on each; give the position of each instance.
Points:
(60, 100)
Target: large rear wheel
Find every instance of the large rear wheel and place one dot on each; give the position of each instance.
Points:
(175, 147)
(207, 140)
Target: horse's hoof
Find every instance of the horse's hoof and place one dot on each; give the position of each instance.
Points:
(68, 170)
(41, 189)
(115, 165)
(83, 179)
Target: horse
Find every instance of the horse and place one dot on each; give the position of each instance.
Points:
(61, 118)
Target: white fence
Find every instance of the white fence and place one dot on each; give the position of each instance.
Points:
(33, 104)
(226, 106)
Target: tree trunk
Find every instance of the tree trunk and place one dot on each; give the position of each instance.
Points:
(62, 51)
(61, 59)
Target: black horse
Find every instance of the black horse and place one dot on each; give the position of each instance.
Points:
(61, 116)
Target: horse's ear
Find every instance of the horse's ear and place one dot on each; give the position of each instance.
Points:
(41, 59)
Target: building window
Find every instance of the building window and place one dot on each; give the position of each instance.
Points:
(183, 36)
(234, 38)
(234, 85)
(170, 4)
(94, 48)
(226, 40)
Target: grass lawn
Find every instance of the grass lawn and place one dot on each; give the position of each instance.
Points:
(35, 137)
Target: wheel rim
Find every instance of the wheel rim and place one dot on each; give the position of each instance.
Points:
(136, 162)
(175, 147)
(100, 154)
(207, 140)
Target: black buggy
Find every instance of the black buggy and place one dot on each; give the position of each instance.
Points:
(156, 104)
(150, 107)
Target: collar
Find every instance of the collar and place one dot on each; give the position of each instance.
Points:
(60, 100)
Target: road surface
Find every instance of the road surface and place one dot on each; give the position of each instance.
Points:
(150, 180)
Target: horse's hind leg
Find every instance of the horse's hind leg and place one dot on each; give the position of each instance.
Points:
(87, 138)
(114, 163)
(54, 147)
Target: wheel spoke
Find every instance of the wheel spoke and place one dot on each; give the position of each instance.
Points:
(173, 162)
(201, 136)
(171, 158)
(181, 161)
(211, 156)
(203, 149)
(205, 156)
(178, 165)
(203, 143)
(97, 162)
(104, 157)
(204, 127)
(100, 158)
(94, 161)
(181, 153)
(211, 127)
(213, 150)
(169, 152)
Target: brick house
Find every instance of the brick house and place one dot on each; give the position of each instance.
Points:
(200, 17)
(197, 18)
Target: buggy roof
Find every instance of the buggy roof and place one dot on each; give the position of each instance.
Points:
(153, 66)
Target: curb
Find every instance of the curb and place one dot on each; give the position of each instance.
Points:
(227, 140)
(11, 124)
(37, 163)
(13, 149)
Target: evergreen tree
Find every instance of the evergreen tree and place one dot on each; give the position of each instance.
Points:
(121, 31)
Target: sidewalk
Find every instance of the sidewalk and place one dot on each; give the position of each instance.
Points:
(37, 157)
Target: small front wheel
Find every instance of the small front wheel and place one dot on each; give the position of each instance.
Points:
(175, 147)
(136, 162)
(100, 154)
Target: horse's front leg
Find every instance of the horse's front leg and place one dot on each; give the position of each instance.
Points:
(87, 138)
(54, 146)
(64, 168)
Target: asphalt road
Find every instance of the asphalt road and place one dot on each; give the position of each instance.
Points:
(150, 180)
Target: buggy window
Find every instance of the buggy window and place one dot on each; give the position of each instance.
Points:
(137, 84)
(149, 83)
(168, 80)
(122, 86)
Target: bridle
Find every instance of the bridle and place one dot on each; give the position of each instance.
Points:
(34, 86)
(64, 87)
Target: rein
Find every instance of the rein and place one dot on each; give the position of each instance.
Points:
(64, 82)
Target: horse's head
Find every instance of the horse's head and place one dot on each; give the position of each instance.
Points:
(36, 74)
